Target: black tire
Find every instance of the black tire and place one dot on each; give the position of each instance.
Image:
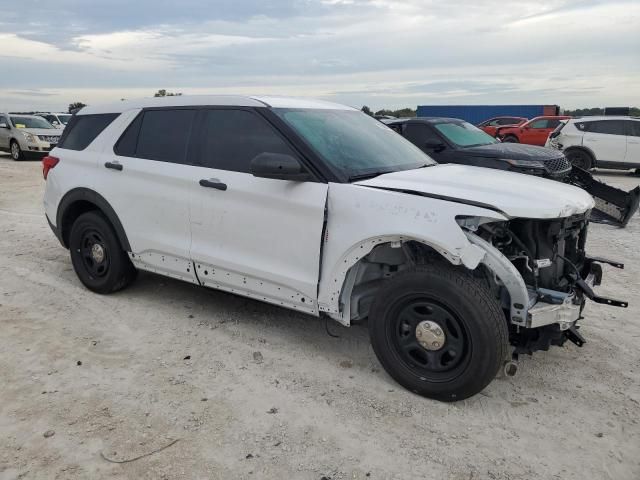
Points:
(476, 338)
(16, 151)
(97, 256)
(580, 159)
(510, 139)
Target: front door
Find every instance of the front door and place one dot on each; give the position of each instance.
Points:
(537, 132)
(633, 142)
(253, 236)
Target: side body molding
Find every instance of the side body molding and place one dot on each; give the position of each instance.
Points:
(88, 195)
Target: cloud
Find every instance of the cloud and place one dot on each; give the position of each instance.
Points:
(380, 52)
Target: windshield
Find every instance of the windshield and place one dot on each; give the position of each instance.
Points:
(64, 118)
(30, 122)
(464, 134)
(353, 142)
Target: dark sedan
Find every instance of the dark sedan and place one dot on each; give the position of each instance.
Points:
(449, 140)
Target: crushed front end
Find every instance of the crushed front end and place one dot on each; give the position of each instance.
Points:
(558, 274)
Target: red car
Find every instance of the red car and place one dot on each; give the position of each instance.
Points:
(534, 132)
(491, 126)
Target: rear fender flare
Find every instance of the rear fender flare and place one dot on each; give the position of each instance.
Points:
(88, 195)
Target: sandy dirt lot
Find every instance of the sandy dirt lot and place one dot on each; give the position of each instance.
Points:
(254, 391)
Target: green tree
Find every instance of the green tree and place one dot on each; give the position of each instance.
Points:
(163, 93)
(75, 106)
(367, 110)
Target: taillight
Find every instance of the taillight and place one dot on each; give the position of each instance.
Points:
(48, 163)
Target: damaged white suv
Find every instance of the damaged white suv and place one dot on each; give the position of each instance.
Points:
(319, 208)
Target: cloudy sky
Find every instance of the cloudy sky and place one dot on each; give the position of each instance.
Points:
(382, 53)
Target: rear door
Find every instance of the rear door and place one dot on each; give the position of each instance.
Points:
(147, 179)
(253, 236)
(633, 142)
(607, 139)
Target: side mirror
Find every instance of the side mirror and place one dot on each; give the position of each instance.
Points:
(4, 125)
(435, 145)
(278, 166)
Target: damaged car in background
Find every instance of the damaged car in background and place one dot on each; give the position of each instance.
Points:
(319, 208)
(450, 140)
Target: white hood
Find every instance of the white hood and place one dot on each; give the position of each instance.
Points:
(516, 194)
(49, 132)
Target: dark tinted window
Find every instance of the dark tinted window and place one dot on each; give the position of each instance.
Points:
(508, 121)
(126, 146)
(164, 135)
(609, 127)
(83, 129)
(419, 134)
(232, 138)
(542, 123)
(553, 123)
(634, 128)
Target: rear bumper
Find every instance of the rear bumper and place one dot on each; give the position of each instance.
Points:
(56, 231)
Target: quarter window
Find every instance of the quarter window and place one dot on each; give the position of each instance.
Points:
(232, 138)
(83, 129)
(634, 128)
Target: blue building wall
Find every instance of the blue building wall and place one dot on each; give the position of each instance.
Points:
(478, 113)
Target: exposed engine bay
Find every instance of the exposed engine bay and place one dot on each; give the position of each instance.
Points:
(551, 258)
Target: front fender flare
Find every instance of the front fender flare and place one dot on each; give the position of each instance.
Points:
(500, 265)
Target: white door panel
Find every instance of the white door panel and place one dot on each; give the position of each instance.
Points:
(259, 237)
(610, 148)
(154, 212)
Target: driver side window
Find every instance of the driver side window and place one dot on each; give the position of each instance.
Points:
(419, 134)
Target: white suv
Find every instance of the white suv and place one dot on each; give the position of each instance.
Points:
(607, 142)
(320, 208)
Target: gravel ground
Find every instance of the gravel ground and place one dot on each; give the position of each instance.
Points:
(253, 391)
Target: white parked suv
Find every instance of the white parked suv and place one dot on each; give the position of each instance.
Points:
(320, 208)
(605, 141)
(27, 136)
(58, 120)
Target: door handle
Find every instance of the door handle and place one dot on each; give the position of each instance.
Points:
(213, 183)
(114, 166)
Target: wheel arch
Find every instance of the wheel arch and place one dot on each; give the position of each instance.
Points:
(584, 149)
(354, 280)
(336, 300)
(82, 200)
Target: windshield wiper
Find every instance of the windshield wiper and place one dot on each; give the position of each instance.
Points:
(365, 176)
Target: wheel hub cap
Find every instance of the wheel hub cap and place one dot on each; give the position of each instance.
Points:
(97, 252)
(430, 335)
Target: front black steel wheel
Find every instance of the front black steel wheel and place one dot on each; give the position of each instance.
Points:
(438, 331)
(429, 338)
(97, 256)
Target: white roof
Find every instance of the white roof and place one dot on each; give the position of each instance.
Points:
(218, 100)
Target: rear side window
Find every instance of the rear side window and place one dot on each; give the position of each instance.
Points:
(161, 135)
(232, 138)
(609, 127)
(83, 129)
(634, 128)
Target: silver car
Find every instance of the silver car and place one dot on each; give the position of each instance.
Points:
(27, 136)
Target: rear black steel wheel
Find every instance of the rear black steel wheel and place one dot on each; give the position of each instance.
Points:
(97, 256)
(510, 139)
(438, 332)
